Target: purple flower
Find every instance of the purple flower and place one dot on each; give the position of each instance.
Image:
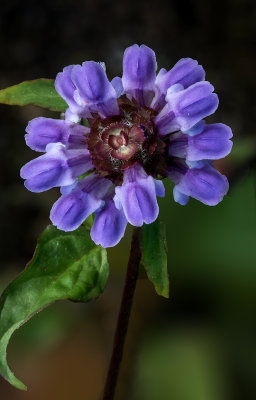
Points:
(143, 127)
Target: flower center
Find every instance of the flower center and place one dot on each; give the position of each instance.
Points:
(116, 143)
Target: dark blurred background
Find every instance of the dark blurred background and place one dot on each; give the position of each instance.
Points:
(201, 343)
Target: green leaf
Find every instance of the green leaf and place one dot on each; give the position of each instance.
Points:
(39, 92)
(154, 257)
(88, 223)
(66, 265)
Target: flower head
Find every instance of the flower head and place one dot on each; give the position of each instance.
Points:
(143, 127)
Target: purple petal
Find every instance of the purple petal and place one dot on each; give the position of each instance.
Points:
(139, 73)
(70, 210)
(109, 225)
(177, 169)
(185, 72)
(79, 162)
(100, 188)
(213, 143)
(76, 118)
(94, 89)
(196, 129)
(70, 188)
(65, 87)
(179, 197)
(58, 167)
(77, 136)
(198, 164)
(186, 108)
(178, 145)
(91, 81)
(43, 173)
(159, 186)
(205, 184)
(137, 195)
(165, 121)
(118, 86)
(193, 104)
(80, 201)
(42, 131)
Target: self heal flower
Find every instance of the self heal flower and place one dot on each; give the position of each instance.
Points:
(142, 127)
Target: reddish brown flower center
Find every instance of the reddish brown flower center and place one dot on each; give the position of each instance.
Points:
(118, 139)
(118, 142)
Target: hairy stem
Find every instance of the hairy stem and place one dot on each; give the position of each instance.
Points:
(124, 314)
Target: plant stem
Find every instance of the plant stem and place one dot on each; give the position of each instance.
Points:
(124, 314)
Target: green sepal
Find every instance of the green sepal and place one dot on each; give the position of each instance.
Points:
(39, 92)
(154, 256)
(66, 265)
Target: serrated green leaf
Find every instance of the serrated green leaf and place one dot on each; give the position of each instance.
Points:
(39, 92)
(154, 257)
(66, 265)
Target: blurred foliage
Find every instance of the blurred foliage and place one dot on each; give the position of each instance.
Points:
(181, 364)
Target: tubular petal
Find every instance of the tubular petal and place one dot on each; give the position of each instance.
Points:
(205, 184)
(139, 73)
(137, 196)
(186, 108)
(42, 131)
(70, 210)
(185, 72)
(94, 89)
(79, 201)
(179, 197)
(118, 86)
(213, 143)
(65, 87)
(109, 225)
(159, 187)
(58, 167)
